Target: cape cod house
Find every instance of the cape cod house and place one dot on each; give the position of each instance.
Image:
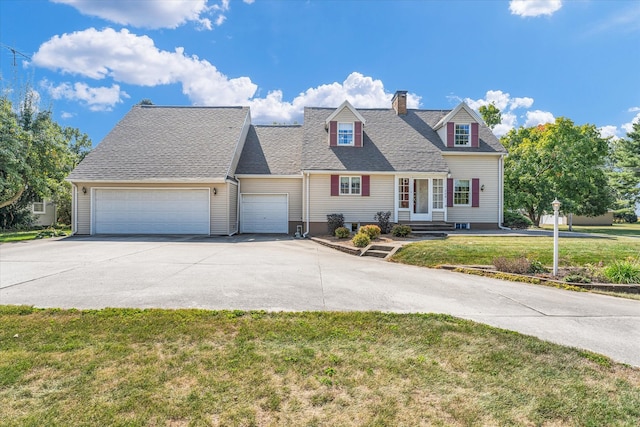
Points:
(210, 171)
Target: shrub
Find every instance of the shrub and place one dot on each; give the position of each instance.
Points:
(577, 278)
(383, 221)
(519, 265)
(536, 267)
(627, 272)
(516, 220)
(400, 230)
(625, 215)
(342, 232)
(334, 221)
(371, 230)
(361, 240)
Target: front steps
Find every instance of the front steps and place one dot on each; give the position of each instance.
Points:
(380, 251)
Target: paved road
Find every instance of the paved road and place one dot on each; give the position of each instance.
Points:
(262, 272)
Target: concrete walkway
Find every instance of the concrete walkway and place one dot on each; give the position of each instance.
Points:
(270, 273)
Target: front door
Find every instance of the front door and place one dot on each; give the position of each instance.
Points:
(421, 210)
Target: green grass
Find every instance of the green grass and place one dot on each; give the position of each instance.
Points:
(481, 250)
(614, 230)
(192, 367)
(18, 236)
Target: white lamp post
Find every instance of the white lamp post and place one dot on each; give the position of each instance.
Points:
(556, 208)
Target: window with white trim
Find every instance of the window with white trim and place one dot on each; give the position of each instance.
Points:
(350, 185)
(39, 207)
(462, 192)
(438, 194)
(403, 193)
(345, 133)
(462, 135)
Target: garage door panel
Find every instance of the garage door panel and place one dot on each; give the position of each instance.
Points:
(264, 213)
(152, 211)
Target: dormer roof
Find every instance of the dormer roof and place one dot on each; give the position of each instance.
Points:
(337, 111)
(452, 114)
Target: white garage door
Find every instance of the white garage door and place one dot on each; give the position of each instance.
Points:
(151, 211)
(264, 213)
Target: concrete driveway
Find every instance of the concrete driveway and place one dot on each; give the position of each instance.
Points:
(271, 273)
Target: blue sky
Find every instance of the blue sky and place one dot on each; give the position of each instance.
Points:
(91, 60)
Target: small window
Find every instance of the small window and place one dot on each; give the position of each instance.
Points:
(438, 194)
(39, 207)
(461, 192)
(462, 134)
(345, 133)
(463, 226)
(350, 185)
(403, 193)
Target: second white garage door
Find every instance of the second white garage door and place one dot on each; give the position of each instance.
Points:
(151, 211)
(264, 213)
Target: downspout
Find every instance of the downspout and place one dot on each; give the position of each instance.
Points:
(307, 209)
(501, 194)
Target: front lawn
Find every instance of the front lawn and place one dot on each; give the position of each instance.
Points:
(482, 250)
(18, 236)
(196, 367)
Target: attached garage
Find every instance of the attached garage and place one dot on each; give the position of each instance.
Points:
(264, 213)
(151, 211)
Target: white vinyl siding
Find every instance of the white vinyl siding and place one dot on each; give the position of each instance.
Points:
(354, 209)
(220, 209)
(486, 169)
(291, 186)
(345, 115)
(233, 208)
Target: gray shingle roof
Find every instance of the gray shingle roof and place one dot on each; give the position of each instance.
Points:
(391, 143)
(166, 143)
(274, 150)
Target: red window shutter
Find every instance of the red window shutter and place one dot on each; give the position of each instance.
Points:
(450, 134)
(449, 192)
(475, 193)
(335, 185)
(366, 185)
(333, 134)
(475, 139)
(358, 134)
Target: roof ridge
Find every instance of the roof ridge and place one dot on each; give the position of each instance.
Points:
(234, 107)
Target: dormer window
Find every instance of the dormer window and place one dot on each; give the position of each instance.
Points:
(462, 135)
(345, 133)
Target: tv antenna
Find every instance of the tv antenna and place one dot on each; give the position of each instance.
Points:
(15, 53)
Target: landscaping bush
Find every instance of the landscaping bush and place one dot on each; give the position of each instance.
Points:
(626, 272)
(625, 215)
(577, 278)
(516, 220)
(371, 230)
(342, 232)
(519, 265)
(361, 240)
(400, 230)
(334, 221)
(536, 267)
(383, 221)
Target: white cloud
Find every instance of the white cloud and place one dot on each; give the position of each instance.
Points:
(633, 109)
(361, 91)
(151, 14)
(97, 98)
(67, 115)
(132, 59)
(534, 7)
(538, 117)
(628, 127)
(506, 104)
(609, 131)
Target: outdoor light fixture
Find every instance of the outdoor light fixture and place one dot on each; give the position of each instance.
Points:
(84, 190)
(482, 187)
(215, 191)
(556, 207)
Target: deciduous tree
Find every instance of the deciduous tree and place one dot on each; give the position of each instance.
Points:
(491, 115)
(560, 160)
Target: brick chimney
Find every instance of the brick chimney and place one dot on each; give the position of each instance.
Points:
(399, 102)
